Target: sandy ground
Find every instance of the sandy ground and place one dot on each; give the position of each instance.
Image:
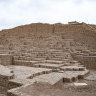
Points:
(65, 89)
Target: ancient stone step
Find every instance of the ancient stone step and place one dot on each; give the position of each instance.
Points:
(74, 68)
(38, 59)
(22, 73)
(25, 63)
(48, 65)
(54, 61)
(54, 78)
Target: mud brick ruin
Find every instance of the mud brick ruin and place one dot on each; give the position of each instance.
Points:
(48, 53)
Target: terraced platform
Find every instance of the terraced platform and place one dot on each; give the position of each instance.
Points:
(25, 76)
(48, 53)
(53, 74)
(48, 65)
(22, 73)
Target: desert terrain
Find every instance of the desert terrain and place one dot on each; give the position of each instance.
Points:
(48, 60)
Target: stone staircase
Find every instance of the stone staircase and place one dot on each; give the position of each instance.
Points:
(44, 55)
(28, 71)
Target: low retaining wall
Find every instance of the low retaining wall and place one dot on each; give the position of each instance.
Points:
(24, 63)
(12, 85)
(5, 76)
(6, 59)
(88, 61)
(4, 80)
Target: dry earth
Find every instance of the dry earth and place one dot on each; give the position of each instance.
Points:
(65, 89)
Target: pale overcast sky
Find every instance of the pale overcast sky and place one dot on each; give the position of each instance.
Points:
(17, 12)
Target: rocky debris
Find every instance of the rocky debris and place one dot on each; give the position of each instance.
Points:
(80, 85)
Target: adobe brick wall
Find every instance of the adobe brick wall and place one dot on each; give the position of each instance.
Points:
(14, 39)
(12, 85)
(24, 63)
(5, 76)
(4, 80)
(89, 61)
(6, 59)
(68, 28)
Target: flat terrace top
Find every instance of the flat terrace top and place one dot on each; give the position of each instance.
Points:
(23, 72)
(5, 71)
(54, 77)
(54, 61)
(51, 65)
(72, 67)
